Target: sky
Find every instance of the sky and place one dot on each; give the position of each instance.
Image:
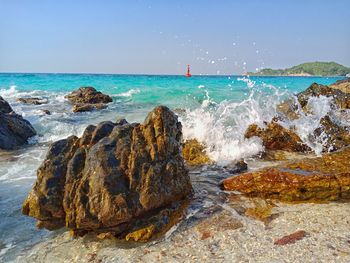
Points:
(162, 37)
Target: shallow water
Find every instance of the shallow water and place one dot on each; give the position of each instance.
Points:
(217, 111)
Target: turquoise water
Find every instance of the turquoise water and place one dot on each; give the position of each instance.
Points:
(216, 110)
(173, 91)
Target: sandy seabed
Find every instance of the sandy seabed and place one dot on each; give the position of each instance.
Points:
(224, 236)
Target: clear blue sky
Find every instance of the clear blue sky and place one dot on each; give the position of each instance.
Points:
(225, 37)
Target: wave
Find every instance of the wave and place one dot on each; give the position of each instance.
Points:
(221, 126)
(129, 93)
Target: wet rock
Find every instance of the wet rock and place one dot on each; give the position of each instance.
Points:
(289, 110)
(343, 85)
(88, 99)
(341, 99)
(194, 153)
(47, 112)
(88, 107)
(35, 101)
(88, 95)
(335, 137)
(325, 178)
(14, 130)
(291, 239)
(276, 137)
(116, 178)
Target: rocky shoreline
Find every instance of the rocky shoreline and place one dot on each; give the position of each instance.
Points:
(121, 183)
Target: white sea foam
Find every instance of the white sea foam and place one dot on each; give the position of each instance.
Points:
(221, 126)
(129, 93)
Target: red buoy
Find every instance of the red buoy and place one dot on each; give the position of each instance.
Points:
(188, 74)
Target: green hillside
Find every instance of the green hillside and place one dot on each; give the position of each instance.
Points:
(307, 69)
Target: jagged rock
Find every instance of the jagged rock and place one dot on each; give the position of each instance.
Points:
(35, 101)
(194, 153)
(276, 137)
(325, 178)
(14, 130)
(334, 135)
(88, 95)
(343, 85)
(341, 99)
(339, 91)
(117, 178)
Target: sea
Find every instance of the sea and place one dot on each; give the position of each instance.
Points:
(216, 110)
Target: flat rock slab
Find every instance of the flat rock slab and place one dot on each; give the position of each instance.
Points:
(325, 178)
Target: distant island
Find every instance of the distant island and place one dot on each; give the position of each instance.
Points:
(306, 69)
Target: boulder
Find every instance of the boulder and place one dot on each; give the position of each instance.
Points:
(14, 130)
(88, 95)
(343, 85)
(127, 180)
(88, 99)
(35, 101)
(276, 137)
(194, 153)
(341, 99)
(325, 178)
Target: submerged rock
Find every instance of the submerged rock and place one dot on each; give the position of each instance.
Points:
(276, 137)
(117, 178)
(35, 101)
(14, 130)
(325, 178)
(291, 239)
(194, 153)
(88, 107)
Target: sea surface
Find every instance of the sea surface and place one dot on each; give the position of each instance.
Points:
(215, 110)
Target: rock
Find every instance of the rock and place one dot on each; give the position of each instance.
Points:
(291, 239)
(88, 99)
(117, 178)
(194, 153)
(325, 178)
(341, 99)
(88, 107)
(47, 112)
(88, 95)
(289, 110)
(335, 136)
(35, 101)
(14, 130)
(276, 137)
(4, 106)
(343, 85)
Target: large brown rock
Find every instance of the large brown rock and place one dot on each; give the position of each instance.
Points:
(14, 130)
(113, 178)
(341, 99)
(325, 178)
(343, 85)
(276, 137)
(87, 99)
